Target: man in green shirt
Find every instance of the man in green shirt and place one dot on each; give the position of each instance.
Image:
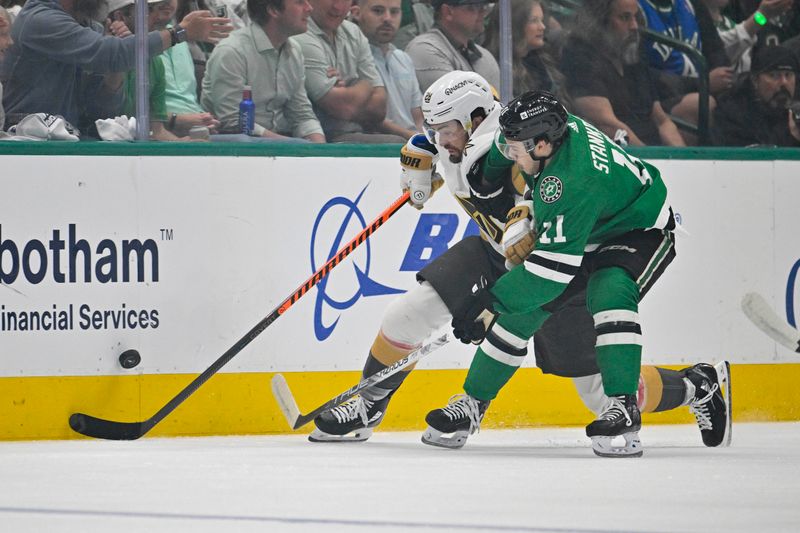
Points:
(122, 10)
(602, 224)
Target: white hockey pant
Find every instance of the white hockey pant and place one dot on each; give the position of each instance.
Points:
(414, 316)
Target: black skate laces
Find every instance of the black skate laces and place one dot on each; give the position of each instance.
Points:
(349, 410)
(464, 406)
(616, 410)
(699, 408)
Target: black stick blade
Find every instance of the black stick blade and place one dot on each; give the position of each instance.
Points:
(105, 429)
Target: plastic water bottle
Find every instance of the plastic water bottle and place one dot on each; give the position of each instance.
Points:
(247, 111)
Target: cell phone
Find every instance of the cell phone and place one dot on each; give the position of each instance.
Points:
(221, 11)
(794, 107)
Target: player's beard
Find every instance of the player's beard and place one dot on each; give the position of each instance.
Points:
(454, 158)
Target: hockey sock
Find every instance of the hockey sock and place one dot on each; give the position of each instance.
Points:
(487, 376)
(499, 356)
(662, 389)
(613, 298)
(619, 366)
(383, 354)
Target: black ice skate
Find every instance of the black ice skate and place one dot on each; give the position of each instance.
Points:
(352, 421)
(621, 418)
(711, 405)
(461, 418)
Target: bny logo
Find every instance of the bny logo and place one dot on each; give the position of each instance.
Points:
(550, 189)
(366, 286)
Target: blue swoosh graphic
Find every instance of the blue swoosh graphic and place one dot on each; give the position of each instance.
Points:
(366, 286)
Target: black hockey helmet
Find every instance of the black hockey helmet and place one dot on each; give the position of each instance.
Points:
(534, 116)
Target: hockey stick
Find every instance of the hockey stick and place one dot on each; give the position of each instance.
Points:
(109, 429)
(296, 420)
(764, 317)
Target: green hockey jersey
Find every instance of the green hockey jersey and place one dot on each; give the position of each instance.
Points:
(591, 191)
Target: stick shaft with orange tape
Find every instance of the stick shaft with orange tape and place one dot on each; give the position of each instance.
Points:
(108, 429)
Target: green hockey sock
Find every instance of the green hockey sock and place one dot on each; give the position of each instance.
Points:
(487, 376)
(619, 365)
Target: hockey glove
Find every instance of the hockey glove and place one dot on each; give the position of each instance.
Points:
(418, 160)
(519, 237)
(479, 317)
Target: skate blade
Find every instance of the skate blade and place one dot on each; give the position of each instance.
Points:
(434, 437)
(604, 446)
(359, 435)
(723, 370)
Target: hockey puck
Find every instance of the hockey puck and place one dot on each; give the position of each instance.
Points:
(129, 358)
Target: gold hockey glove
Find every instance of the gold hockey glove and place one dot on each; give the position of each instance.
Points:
(519, 237)
(418, 160)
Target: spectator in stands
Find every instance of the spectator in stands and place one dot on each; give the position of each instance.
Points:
(236, 10)
(263, 57)
(180, 97)
(783, 28)
(159, 13)
(740, 38)
(56, 43)
(756, 111)
(200, 51)
(450, 44)
(5, 42)
(341, 78)
(611, 85)
(690, 22)
(379, 20)
(532, 65)
(778, 28)
(13, 7)
(419, 20)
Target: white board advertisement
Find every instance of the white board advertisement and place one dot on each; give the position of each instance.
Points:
(178, 257)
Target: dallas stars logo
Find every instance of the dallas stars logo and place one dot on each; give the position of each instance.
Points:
(550, 189)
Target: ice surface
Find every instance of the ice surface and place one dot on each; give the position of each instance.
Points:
(519, 480)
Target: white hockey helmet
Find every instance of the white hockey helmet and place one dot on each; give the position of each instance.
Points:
(456, 96)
